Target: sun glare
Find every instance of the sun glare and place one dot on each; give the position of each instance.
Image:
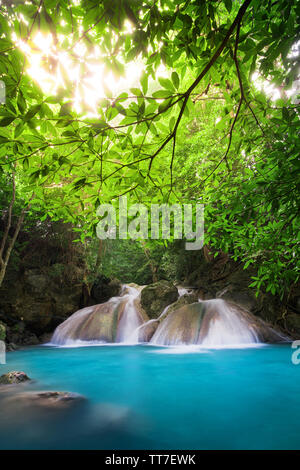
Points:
(84, 71)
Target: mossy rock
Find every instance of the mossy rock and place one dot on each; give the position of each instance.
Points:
(13, 377)
(2, 332)
(157, 296)
(185, 299)
(104, 289)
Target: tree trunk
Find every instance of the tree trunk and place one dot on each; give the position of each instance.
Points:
(152, 265)
(7, 244)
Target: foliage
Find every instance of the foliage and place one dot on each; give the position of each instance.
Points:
(160, 141)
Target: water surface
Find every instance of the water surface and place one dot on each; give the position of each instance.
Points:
(147, 397)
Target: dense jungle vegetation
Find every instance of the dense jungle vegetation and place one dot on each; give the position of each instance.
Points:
(196, 101)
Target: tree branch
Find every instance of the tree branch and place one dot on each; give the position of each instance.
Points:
(213, 59)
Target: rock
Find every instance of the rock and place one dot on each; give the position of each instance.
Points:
(155, 297)
(19, 334)
(46, 399)
(45, 338)
(95, 323)
(211, 323)
(104, 288)
(14, 377)
(147, 330)
(185, 299)
(35, 282)
(138, 306)
(292, 322)
(2, 331)
(11, 347)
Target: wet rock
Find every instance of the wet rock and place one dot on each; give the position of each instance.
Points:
(46, 400)
(214, 322)
(155, 297)
(95, 323)
(138, 306)
(185, 299)
(14, 377)
(147, 330)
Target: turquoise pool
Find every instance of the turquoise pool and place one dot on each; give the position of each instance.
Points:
(147, 397)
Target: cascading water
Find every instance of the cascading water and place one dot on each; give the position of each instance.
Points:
(227, 326)
(112, 321)
(183, 291)
(207, 322)
(212, 323)
(138, 333)
(130, 320)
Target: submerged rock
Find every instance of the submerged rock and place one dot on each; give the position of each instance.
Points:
(157, 296)
(47, 400)
(14, 377)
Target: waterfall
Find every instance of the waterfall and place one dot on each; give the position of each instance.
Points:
(112, 321)
(209, 323)
(130, 321)
(212, 323)
(138, 333)
(227, 326)
(183, 291)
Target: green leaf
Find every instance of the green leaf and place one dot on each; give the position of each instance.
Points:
(175, 79)
(19, 129)
(166, 83)
(228, 5)
(21, 102)
(6, 121)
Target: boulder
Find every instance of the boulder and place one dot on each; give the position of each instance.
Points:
(185, 299)
(19, 334)
(157, 296)
(14, 377)
(148, 329)
(95, 323)
(104, 288)
(213, 323)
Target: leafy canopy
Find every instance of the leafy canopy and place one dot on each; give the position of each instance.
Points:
(202, 131)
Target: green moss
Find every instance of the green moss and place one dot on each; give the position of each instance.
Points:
(2, 332)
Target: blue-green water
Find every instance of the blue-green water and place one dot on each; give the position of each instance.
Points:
(143, 397)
